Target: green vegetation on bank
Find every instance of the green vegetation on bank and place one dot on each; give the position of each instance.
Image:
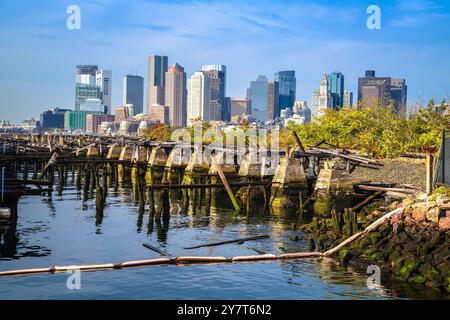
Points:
(377, 131)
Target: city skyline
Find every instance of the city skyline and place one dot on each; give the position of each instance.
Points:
(248, 40)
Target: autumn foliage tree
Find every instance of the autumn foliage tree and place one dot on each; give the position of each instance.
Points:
(376, 130)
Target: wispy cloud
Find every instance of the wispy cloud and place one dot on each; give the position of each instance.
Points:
(264, 26)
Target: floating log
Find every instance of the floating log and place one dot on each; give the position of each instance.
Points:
(196, 259)
(264, 236)
(148, 262)
(254, 258)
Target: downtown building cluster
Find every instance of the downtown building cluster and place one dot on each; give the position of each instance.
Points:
(173, 99)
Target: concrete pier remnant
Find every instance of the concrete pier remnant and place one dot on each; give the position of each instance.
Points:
(92, 152)
(176, 163)
(289, 184)
(114, 152)
(334, 188)
(156, 164)
(125, 155)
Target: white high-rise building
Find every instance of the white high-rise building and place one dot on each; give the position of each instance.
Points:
(324, 96)
(199, 96)
(103, 80)
(348, 98)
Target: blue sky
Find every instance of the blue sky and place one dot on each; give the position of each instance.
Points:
(38, 53)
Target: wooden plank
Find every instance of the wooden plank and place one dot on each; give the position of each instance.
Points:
(225, 182)
(263, 236)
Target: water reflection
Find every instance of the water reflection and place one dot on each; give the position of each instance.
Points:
(67, 230)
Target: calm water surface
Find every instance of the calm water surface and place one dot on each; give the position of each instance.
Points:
(64, 231)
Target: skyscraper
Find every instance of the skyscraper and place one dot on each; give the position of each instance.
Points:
(259, 91)
(399, 92)
(133, 92)
(336, 89)
(218, 75)
(324, 96)
(157, 67)
(273, 107)
(85, 91)
(348, 98)
(287, 88)
(103, 80)
(86, 86)
(315, 102)
(373, 90)
(239, 106)
(176, 95)
(86, 73)
(199, 95)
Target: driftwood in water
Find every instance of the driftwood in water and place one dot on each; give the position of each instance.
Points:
(264, 236)
(161, 252)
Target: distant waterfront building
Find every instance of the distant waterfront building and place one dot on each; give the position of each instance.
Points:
(86, 73)
(93, 121)
(123, 112)
(76, 120)
(94, 105)
(103, 80)
(217, 73)
(133, 92)
(399, 93)
(239, 106)
(85, 91)
(28, 124)
(348, 98)
(301, 108)
(336, 89)
(286, 113)
(131, 111)
(373, 90)
(160, 113)
(157, 68)
(199, 95)
(176, 95)
(324, 96)
(287, 88)
(52, 119)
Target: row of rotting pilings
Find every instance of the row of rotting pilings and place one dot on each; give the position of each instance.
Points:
(289, 179)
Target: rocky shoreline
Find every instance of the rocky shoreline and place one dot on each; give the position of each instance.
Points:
(411, 247)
